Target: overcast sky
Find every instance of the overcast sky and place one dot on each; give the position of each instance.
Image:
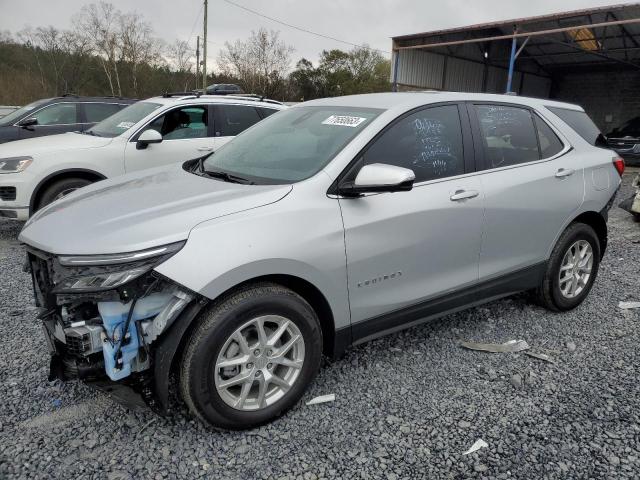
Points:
(373, 22)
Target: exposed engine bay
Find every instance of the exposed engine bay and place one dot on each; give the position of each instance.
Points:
(102, 318)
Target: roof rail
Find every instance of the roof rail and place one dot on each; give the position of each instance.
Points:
(181, 94)
(69, 94)
(252, 96)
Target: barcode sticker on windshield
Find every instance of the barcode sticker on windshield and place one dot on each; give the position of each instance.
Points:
(344, 120)
(125, 125)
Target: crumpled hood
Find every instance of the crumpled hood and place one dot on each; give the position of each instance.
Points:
(51, 143)
(140, 210)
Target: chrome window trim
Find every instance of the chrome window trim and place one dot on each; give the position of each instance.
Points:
(65, 124)
(198, 104)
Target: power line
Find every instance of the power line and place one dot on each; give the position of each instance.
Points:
(303, 29)
(195, 23)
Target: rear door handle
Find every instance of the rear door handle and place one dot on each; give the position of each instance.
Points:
(564, 172)
(463, 195)
(205, 149)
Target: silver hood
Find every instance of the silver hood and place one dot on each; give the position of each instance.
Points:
(51, 144)
(140, 210)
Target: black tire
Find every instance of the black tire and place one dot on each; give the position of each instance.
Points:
(60, 187)
(549, 294)
(217, 324)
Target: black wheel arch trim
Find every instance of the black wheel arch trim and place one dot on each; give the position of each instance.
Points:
(60, 173)
(166, 348)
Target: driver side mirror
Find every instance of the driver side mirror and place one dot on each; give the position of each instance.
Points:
(28, 122)
(379, 177)
(148, 137)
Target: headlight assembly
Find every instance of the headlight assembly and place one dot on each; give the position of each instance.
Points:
(95, 273)
(14, 164)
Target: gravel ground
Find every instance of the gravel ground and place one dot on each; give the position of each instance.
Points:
(407, 405)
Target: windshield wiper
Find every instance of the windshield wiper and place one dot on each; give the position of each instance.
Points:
(227, 177)
(89, 132)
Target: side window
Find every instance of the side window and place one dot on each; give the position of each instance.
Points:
(508, 134)
(234, 119)
(550, 144)
(429, 142)
(265, 112)
(57, 114)
(580, 122)
(96, 112)
(182, 123)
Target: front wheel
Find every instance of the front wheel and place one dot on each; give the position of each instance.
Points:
(59, 189)
(251, 357)
(572, 269)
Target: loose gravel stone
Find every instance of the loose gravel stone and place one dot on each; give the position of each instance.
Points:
(397, 414)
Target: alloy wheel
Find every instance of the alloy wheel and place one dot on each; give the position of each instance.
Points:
(259, 363)
(575, 270)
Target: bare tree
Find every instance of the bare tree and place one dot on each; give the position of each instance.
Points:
(139, 46)
(100, 22)
(180, 59)
(261, 63)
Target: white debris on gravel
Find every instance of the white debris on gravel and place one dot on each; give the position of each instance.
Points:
(512, 346)
(399, 415)
(478, 444)
(331, 397)
(628, 305)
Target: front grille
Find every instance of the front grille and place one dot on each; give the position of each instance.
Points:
(623, 142)
(7, 194)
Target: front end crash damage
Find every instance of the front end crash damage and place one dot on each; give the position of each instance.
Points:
(111, 320)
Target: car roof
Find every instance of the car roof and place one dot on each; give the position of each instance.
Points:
(81, 99)
(226, 99)
(409, 100)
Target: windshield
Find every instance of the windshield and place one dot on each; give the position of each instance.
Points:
(291, 145)
(122, 121)
(632, 127)
(18, 114)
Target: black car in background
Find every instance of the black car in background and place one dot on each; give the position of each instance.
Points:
(224, 89)
(625, 140)
(49, 116)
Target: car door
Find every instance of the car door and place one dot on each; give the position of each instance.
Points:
(53, 119)
(532, 182)
(406, 248)
(231, 120)
(186, 134)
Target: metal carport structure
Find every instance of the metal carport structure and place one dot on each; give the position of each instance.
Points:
(590, 57)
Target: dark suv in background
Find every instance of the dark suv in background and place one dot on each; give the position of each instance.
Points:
(50, 116)
(224, 89)
(625, 140)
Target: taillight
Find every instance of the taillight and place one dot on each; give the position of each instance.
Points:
(619, 164)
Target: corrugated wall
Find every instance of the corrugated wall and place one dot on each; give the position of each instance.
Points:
(425, 70)
(419, 69)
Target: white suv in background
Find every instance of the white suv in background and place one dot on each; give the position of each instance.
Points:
(154, 132)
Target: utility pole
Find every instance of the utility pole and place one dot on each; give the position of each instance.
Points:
(197, 60)
(204, 50)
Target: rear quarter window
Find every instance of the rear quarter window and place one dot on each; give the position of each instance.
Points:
(580, 123)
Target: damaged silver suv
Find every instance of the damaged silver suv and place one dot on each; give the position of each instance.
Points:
(321, 227)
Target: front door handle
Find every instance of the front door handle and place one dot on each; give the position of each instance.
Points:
(463, 195)
(205, 149)
(564, 172)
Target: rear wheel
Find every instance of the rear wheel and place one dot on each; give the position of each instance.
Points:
(572, 269)
(59, 189)
(251, 357)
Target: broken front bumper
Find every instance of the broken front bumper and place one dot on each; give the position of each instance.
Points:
(120, 337)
